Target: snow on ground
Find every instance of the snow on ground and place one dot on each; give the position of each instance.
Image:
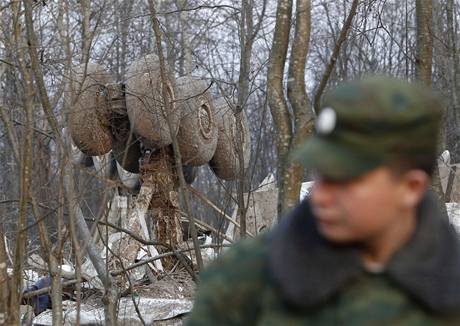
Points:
(453, 210)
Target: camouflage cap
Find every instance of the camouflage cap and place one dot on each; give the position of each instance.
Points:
(371, 122)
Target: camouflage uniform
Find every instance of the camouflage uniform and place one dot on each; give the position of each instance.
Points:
(294, 276)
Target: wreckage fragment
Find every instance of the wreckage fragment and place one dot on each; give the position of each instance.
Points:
(197, 135)
(225, 163)
(146, 105)
(89, 110)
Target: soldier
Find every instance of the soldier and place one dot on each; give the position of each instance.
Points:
(370, 246)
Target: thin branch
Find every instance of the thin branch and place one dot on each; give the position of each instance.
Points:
(236, 10)
(213, 206)
(167, 254)
(335, 54)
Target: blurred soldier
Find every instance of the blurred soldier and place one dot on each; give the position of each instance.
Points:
(370, 246)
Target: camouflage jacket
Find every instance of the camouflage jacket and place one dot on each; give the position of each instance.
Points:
(293, 276)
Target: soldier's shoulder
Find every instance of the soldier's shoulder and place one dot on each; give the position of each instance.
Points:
(248, 257)
(229, 288)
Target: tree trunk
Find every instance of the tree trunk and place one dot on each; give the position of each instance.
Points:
(127, 7)
(423, 67)
(246, 43)
(85, 35)
(288, 138)
(186, 57)
(424, 55)
(452, 132)
(297, 95)
(25, 179)
(275, 93)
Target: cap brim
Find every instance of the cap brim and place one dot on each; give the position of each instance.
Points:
(333, 161)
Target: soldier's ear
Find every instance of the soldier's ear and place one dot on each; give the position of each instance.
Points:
(415, 183)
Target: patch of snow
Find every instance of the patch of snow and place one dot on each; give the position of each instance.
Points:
(305, 189)
(453, 211)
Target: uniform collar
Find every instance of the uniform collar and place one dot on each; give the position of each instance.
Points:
(309, 270)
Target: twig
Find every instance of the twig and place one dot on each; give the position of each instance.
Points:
(212, 205)
(167, 254)
(187, 9)
(128, 232)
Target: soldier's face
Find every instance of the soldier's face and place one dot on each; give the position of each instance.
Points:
(366, 208)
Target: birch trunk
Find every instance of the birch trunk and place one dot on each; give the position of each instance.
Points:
(301, 105)
(275, 93)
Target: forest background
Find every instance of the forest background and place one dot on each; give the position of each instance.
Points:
(273, 60)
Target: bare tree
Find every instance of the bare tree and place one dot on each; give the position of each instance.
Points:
(275, 92)
(301, 105)
(25, 177)
(423, 65)
(293, 128)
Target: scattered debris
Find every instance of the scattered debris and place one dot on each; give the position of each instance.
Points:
(208, 253)
(151, 310)
(262, 207)
(129, 179)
